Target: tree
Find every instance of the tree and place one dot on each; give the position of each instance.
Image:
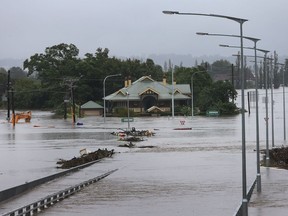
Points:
(201, 80)
(220, 70)
(28, 94)
(17, 73)
(219, 96)
(3, 81)
(58, 62)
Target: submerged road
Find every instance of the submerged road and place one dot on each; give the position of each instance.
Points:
(195, 172)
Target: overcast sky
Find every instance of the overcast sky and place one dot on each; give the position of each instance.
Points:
(131, 28)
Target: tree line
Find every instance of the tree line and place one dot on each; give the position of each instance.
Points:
(48, 78)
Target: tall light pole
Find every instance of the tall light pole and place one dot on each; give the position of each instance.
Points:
(8, 95)
(173, 110)
(266, 108)
(272, 101)
(113, 75)
(244, 179)
(284, 117)
(255, 40)
(128, 110)
(192, 92)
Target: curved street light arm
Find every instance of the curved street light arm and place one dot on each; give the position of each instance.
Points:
(239, 20)
(227, 35)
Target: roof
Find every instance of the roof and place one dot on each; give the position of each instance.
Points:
(154, 108)
(147, 84)
(91, 105)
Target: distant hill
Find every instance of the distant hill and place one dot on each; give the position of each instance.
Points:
(188, 60)
(8, 63)
(159, 59)
(184, 60)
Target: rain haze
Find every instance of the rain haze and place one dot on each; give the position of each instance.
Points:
(130, 28)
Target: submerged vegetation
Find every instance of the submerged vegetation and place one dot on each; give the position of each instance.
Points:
(85, 158)
(278, 157)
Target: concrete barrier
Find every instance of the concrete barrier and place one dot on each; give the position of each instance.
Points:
(14, 191)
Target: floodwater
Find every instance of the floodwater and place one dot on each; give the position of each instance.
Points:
(189, 172)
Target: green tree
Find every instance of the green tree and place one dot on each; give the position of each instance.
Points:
(28, 94)
(201, 79)
(3, 81)
(220, 70)
(17, 73)
(220, 95)
(58, 62)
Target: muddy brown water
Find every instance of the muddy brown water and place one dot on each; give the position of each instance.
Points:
(189, 172)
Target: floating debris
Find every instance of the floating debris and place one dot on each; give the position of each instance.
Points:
(149, 146)
(85, 158)
(131, 145)
(134, 132)
(128, 145)
(185, 128)
(131, 139)
(278, 157)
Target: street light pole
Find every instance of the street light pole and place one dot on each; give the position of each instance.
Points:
(128, 110)
(284, 118)
(173, 110)
(192, 92)
(244, 180)
(255, 40)
(113, 75)
(266, 108)
(272, 102)
(266, 105)
(8, 96)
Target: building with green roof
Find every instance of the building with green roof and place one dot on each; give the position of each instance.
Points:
(91, 108)
(146, 93)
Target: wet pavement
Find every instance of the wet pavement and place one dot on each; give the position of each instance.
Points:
(273, 198)
(195, 172)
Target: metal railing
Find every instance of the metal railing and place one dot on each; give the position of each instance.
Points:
(239, 211)
(48, 201)
(15, 191)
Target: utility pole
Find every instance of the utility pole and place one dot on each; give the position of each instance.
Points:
(71, 84)
(13, 107)
(232, 80)
(8, 96)
(73, 104)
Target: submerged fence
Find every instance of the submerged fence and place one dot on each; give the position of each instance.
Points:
(48, 201)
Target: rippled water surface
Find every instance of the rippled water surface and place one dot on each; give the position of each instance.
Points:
(188, 172)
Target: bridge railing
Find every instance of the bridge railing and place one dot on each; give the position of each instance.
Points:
(249, 194)
(48, 201)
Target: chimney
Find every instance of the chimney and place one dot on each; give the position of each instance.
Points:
(126, 82)
(129, 81)
(164, 80)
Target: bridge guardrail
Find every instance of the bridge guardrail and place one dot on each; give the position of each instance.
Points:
(48, 201)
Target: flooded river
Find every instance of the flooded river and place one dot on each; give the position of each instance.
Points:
(188, 172)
